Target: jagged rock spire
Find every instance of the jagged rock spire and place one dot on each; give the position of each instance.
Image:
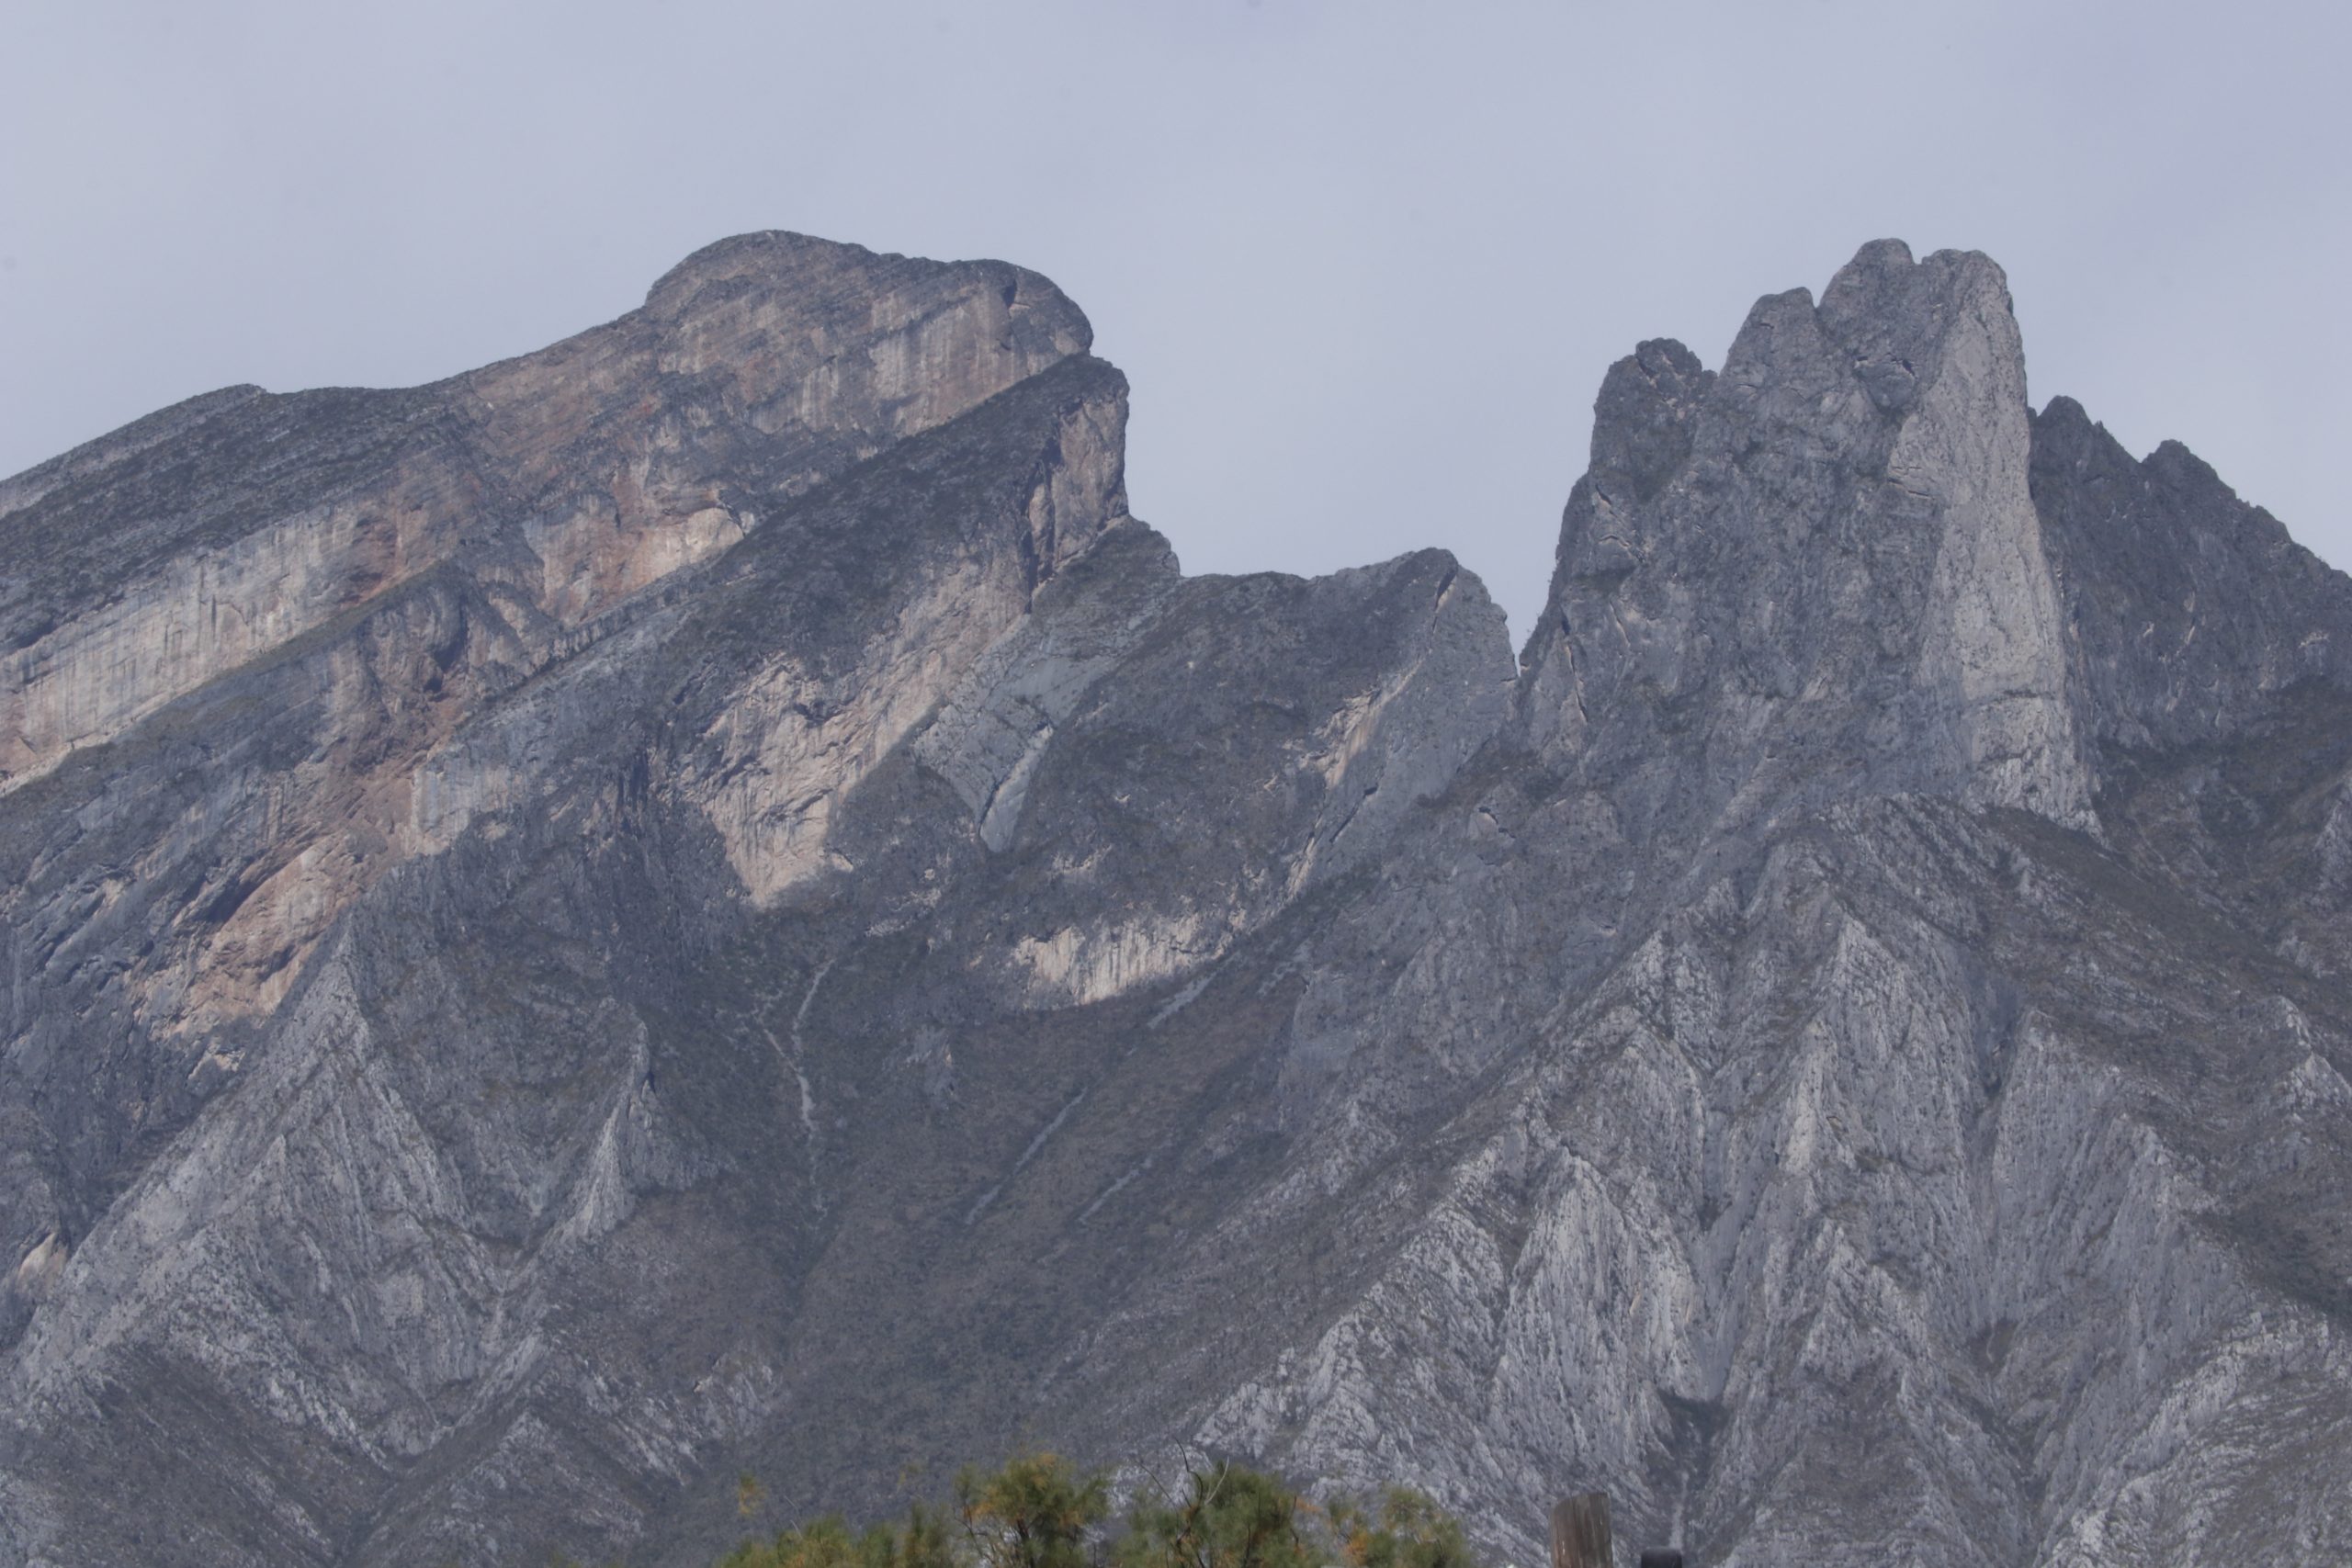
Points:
(1820, 570)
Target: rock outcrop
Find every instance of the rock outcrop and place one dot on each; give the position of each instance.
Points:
(707, 900)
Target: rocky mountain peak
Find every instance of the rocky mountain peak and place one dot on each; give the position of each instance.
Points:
(1819, 569)
(767, 257)
(1643, 421)
(778, 262)
(1902, 322)
(2188, 606)
(569, 479)
(787, 317)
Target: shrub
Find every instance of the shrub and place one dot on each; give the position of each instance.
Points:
(1039, 1511)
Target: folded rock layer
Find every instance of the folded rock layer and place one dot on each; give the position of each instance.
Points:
(707, 900)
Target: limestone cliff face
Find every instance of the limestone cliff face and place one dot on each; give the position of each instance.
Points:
(321, 594)
(707, 900)
(571, 478)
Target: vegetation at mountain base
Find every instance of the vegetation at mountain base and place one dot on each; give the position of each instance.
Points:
(1039, 1511)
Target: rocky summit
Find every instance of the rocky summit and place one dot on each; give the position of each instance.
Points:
(706, 901)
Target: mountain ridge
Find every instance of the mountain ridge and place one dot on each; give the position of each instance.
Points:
(706, 899)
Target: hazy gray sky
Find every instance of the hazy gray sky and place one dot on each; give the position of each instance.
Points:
(1364, 264)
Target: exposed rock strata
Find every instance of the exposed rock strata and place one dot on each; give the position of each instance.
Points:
(707, 900)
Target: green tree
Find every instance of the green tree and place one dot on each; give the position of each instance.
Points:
(824, 1543)
(1407, 1530)
(927, 1540)
(1039, 1511)
(1034, 1513)
(1229, 1516)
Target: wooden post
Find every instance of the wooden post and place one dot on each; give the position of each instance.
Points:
(1580, 1532)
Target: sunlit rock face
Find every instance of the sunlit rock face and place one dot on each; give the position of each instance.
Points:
(707, 900)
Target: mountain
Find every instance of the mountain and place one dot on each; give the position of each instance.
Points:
(707, 900)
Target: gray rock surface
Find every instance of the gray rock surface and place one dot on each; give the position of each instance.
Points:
(707, 900)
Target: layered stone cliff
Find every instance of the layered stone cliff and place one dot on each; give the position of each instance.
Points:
(707, 900)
